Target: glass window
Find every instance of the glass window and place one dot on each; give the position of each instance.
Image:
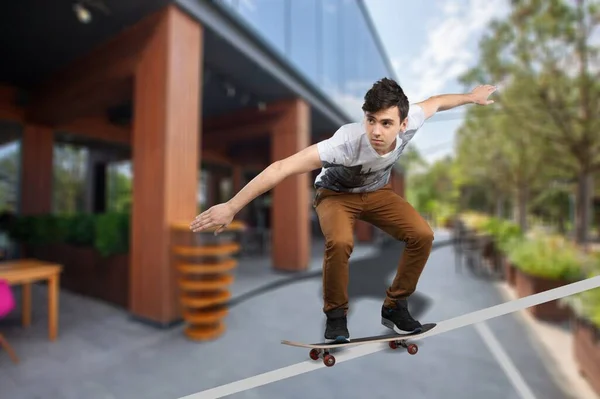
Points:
(10, 166)
(119, 181)
(329, 41)
(362, 62)
(304, 47)
(10, 183)
(330, 49)
(231, 3)
(70, 178)
(268, 17)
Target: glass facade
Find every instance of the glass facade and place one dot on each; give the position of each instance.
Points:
(329, 41)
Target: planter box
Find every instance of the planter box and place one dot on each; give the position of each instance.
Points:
(88, 273)
(510, 273)
(586, 345)
(529, 285)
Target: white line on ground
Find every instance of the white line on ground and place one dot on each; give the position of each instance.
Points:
(515, 378)
(444, 326)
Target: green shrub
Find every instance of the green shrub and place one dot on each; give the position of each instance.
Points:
(81, 229)
(112, 233)
(474, 220)
(586, 305)
(108, 233)
(547, 257)
(504, 232)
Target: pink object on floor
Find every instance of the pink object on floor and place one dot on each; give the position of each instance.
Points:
(7, 300)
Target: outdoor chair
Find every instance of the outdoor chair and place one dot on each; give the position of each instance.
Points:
(7, 304)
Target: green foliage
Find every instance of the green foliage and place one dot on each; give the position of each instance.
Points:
(538, 254)
(80, 229)
(38, 229)
(475, 220)
(504, 232)
(108, 233)
(112, 233)
(547, 257)
(544, 109)
(586, 305)
(119, 191)
(432, 190)
(69, 175)
(9, 177)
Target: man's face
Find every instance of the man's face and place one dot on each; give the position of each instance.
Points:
(383, 127)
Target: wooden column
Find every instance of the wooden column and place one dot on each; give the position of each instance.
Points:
(237, 178)
(290, 221)
(397, 180)
(238, 182)
(36, 170)
(166, 138)
(363, 231)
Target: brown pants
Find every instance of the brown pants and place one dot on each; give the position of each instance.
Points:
(384, 209)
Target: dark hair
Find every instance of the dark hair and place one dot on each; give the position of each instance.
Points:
(384, 94)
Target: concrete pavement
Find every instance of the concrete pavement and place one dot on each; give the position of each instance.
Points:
(102, 354)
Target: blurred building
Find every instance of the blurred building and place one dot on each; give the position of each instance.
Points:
(163, 108)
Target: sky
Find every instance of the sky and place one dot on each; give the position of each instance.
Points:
(430, 44)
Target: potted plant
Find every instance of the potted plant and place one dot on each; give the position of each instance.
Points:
(505, 234)
(585, 325)
(543, 263)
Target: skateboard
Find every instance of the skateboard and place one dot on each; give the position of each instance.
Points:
(394, 340)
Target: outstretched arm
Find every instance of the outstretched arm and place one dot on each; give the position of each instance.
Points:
(222, 214)
(444, 102)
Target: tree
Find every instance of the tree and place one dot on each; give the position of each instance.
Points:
(495, 151)
(432, 191)
(69, 178)
(545, 46)
(411, 160)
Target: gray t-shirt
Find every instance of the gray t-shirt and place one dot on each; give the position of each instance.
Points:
(351, 164)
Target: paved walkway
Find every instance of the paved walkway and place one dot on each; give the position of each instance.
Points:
(102, 354)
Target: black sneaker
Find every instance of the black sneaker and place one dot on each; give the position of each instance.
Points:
(336, 328)
(399, 319)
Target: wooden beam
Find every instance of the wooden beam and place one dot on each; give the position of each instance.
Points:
(9, 110)
(99, 128)
(223, 137)
(213, 157)
(95, 126)
(99, 79)
(244, 116)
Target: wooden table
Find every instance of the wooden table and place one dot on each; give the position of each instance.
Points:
(28, 271)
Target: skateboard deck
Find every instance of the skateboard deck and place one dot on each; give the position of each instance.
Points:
(394, 341)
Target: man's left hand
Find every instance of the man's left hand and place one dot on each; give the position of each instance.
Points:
(481, 93)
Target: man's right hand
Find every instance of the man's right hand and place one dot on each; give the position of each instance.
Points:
(219, 215)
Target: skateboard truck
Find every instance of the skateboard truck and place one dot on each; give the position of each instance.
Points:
(328, 359)
(410, 348)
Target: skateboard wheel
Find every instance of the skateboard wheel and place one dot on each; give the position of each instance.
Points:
(393, 344)
(329, 360)
(412, 349)
(314, 354)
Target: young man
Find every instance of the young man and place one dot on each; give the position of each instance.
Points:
(354, 184)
